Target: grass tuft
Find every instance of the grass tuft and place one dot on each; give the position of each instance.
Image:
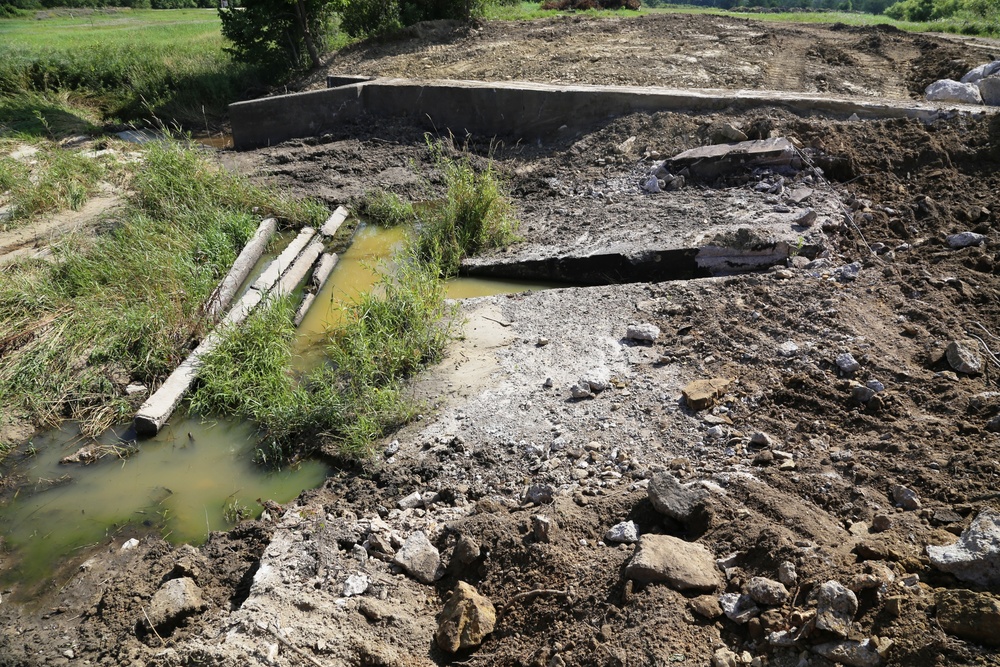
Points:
(476, 215)
(386, 209)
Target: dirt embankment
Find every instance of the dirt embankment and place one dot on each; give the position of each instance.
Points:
(669, 50)
(518, 482)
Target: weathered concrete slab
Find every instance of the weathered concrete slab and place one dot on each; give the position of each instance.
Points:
(523, 110)
(684, 234)
(713, 161)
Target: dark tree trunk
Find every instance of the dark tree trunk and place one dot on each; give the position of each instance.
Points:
(300, 13)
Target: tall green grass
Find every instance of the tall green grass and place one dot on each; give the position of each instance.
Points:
(476, 214)
(126, 306)
(135, 65)
(387, 335)
(58, 179)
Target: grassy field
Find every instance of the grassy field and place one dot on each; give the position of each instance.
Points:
(123, 64)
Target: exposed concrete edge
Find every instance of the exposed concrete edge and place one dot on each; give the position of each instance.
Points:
(527, 110)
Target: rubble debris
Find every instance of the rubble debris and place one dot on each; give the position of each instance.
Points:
(969, 615)
(947, 90)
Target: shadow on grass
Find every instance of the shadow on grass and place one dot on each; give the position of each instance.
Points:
(35, 116)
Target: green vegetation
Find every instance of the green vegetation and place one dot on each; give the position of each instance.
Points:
(360, 18)
(385, 336)
(129, 65)
(279, 36)
(971, 17)
(385, 209)
(60, 179)
(476, 215)
(125, 306)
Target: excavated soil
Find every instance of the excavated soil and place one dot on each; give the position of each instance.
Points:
(500, 418)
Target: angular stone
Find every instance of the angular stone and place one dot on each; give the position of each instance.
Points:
(738, 608)
(847, 363)
(467, 550)
(626, 532)
(855, 654)
(969, 615)
(989, 90)
(805, 218)
(947, 90)
(975, 557)
(466, 620)
(978, 73)
(643, 332)
(681, 503)
(963, 356)
(356, 584)
(706, 606)
(702, 394)
(836, 606)
(964, 240)
(767, 591)
(419, 558)
(173, 602)
(540, 494)
(787, 574)
(905, 498)
(681, 565)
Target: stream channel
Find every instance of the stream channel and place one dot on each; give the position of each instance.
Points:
(179, 483)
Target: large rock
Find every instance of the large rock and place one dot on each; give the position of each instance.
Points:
(989, 90)
(173, 602)
(978, 73)
(947, 90)
(681, 503)
(975, 557)
(681, 565)
(466, 620)
(963, 356)
(419, 558)
(835, 608)
(855, 654)
(702, 394)
(969, 615)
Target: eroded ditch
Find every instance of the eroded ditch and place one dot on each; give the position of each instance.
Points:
(196, 475)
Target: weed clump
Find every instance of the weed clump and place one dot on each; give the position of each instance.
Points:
(386, 209)
(476, 215)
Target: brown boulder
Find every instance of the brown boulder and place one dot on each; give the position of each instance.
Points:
(466, 620)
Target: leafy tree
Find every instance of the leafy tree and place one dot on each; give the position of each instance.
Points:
(360, 18)
(278, 34)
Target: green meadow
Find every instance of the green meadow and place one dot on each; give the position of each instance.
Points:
(123, 65)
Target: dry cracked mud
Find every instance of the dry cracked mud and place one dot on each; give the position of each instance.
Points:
(503, 442)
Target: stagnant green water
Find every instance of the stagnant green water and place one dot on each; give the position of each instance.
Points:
(179, 483)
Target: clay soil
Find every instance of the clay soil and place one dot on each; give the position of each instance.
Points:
(494, 426)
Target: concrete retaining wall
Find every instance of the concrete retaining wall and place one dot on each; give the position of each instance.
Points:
(519, 110)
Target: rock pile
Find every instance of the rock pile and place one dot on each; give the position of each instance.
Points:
(980, 85)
